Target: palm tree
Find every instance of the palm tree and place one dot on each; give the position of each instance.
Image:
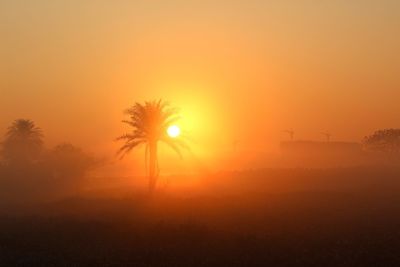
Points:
(149, 122)
(23, 141)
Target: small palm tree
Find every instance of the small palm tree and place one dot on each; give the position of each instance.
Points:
(23, 141)
(149, 122)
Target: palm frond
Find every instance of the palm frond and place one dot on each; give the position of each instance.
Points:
(171, 120)
(173, 145)
(125, 149)
(135, 136)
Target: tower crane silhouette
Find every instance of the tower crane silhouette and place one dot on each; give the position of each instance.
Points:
(327, 136)
(290, 133)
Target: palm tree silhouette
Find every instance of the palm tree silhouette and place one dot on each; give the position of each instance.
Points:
(150, 122)
(23, 141)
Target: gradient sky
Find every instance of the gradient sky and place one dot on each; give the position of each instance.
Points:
(242, 70)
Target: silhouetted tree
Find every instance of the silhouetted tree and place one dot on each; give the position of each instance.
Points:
(386, 141)
(23, 142)
(149, 122)
(69, 161)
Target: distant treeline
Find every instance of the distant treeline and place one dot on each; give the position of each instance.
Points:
(29, 169)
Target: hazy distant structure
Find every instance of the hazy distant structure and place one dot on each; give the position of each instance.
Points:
(320, 154)
(327, 136)
(290, 133)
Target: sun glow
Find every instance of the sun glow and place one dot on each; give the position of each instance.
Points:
(173, 131)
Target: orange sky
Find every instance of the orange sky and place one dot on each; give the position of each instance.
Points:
(242, 70)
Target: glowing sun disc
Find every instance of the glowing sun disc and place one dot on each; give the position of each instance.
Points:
(173, 131)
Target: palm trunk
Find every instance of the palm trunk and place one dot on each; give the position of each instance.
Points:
(152, 166)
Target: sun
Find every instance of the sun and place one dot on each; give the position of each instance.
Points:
(173, 131)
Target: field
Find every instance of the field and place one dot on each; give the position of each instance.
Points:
(333, 217)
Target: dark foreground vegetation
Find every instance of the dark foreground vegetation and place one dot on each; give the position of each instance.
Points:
(62, 242)
(347, 223)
